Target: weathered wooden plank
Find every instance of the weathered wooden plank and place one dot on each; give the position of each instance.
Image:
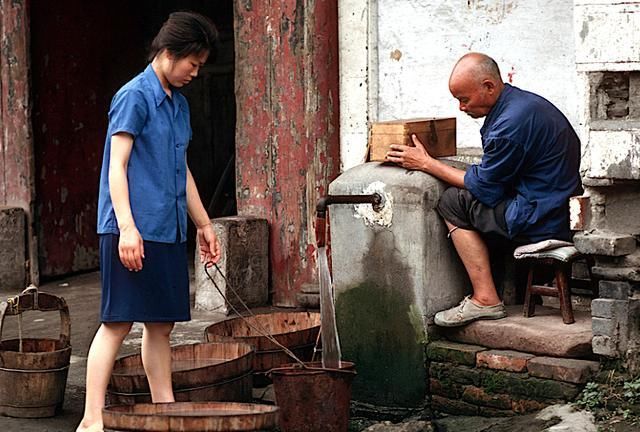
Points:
(16, 144)
(287, 133)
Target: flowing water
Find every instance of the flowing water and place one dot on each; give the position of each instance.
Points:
(330, 343)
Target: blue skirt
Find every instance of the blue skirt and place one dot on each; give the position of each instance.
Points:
(157, 293)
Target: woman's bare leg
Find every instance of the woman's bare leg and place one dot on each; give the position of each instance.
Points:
(100, 360)
(156, 358)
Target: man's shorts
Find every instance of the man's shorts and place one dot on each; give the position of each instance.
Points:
(460, 208)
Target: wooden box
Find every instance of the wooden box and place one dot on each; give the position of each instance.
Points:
(437, 134)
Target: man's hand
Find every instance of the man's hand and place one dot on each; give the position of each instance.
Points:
(209, 244)
(413, 158)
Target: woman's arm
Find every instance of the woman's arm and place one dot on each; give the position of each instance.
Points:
(130, 246)
(209, 245)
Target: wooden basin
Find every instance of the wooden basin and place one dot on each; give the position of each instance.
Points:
(297, 331)
(190, 417)
(220, 371)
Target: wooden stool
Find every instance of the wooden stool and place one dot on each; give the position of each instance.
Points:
(558, 254)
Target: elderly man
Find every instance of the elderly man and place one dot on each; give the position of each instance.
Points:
(520, 189)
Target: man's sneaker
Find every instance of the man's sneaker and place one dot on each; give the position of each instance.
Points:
(467, 311)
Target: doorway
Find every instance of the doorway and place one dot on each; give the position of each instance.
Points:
(81, 53)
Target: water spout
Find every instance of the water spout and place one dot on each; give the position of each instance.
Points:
(374, 199)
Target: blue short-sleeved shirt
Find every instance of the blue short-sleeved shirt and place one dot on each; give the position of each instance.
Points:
(531, 160)
(157, 170)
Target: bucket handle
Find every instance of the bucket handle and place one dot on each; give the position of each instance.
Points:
(32, 299)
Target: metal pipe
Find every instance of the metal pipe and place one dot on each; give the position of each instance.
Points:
(374, 199)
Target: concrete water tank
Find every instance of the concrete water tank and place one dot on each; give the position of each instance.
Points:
(392, 271)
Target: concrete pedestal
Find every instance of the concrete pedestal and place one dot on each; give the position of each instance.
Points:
(244, 262)
(393, 270)
(12, 250)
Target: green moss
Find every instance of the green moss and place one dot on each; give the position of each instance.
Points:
(381, 331)
(415, 318)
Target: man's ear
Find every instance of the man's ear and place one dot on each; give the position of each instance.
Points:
(489, 86)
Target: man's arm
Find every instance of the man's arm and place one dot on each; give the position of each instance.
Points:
(417, 158)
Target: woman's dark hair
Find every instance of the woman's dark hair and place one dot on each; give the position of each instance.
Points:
(183, 34)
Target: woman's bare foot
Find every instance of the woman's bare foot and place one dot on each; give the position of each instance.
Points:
(94, 427)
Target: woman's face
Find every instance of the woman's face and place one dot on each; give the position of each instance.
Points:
(180, 72)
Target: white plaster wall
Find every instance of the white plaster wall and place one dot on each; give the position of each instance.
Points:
(607, 35)
(417, 43)
(532, 41)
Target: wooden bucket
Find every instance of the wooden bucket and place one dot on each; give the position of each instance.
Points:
(200, 372)
(298, 331)
(33, 372)
(189, 416)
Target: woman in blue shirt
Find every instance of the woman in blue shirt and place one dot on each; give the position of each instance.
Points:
(146, 191)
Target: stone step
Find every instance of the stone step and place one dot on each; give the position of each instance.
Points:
(543, 334)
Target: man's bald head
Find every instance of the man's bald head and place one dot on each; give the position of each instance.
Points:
(475, 81)
(476, 66)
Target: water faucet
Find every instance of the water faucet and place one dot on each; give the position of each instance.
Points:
(374, 199)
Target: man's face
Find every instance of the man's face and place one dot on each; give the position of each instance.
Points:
(476, 99)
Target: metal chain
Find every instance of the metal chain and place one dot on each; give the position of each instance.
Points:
(261, 331)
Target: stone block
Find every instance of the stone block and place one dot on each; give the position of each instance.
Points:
(452, 352)
(515, 332)
(244, 262)
(614, 289)
(494, 412)
(404, 426)
(604, 327)
(478, 396)
(617, 273)
(12, 250)
(458, 374)
(622, 201)
(524, 406)
(605, 346)
(631, 260)
(603, 243)
(608, 308)
(466, 375)
(446, 388)
(530, 387)
(612, 154)
(568, 370)
(512, 361)
(451, 406)
(600, 23)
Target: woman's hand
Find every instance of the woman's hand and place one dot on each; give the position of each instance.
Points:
(131, 248)
(209, 244)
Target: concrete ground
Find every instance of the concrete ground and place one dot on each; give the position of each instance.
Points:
(82, 294)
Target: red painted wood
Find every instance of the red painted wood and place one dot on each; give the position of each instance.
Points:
(287, 135)
(17, 180)
(16, 146)
(75, 73)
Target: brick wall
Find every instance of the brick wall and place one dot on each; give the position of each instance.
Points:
(474, 380)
